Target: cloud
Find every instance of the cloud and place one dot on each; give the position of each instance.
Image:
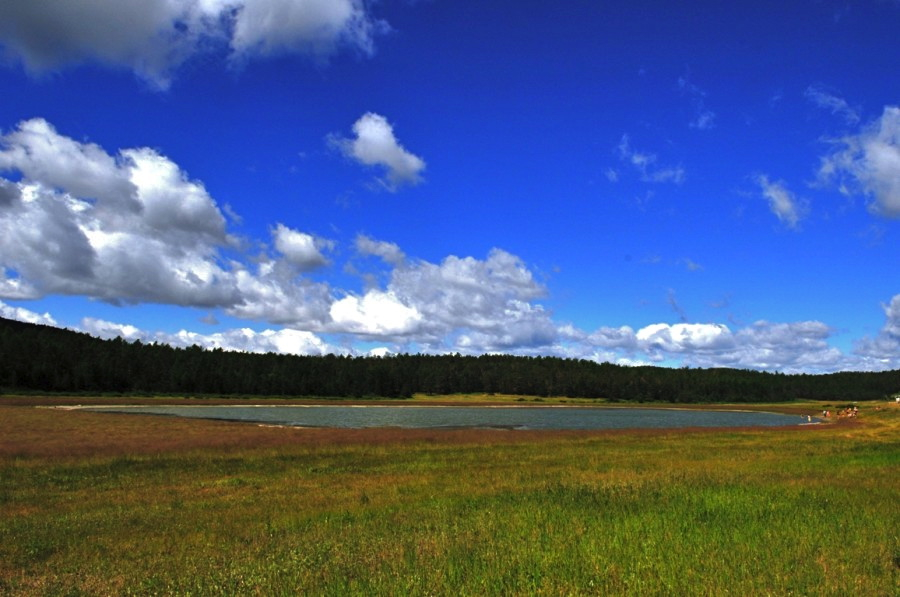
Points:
(869, 164)
(141, 36)
(522, 327)
(154, 37)
(376, 313)
(613, 338)
(892, 315)
(283, 341)
(684, 337)
(789, 347)
(22, 314)
(463, 290)
(883, 351)
(108, 330)
(316, 27)
(645, 164)
(837, 106)
(793, 347)
(14, 287)
(376, 145)
(461, 304)
(387, 252)
(174, 207)
(130, 227)
(784, 204)
(134, 228)
(272, 292)
(9, 193)
(39, 153)
(300, 249)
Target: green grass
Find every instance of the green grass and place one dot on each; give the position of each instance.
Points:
(772, 512)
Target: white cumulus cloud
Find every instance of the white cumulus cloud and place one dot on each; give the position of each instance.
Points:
(684, 337)
(272, 292)
(792, 347)
(282, 341)
(130, 227)
(109, 329)
(25, 315)
(376, 145)
(134, 228)
(299, 248)
(375, 313)
(487, 304)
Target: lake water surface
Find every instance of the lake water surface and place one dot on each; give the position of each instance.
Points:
(493, 417)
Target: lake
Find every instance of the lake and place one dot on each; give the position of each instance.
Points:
(472, 417)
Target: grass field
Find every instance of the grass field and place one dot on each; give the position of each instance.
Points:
(103, 504)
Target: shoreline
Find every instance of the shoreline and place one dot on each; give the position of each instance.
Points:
(341, 404)
(28, 432)
(86, 402)
(232, 414)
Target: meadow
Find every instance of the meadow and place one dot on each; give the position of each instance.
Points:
(106, 504)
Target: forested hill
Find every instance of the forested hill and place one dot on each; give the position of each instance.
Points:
(48, 359)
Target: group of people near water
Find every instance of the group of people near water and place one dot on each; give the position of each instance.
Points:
(850, 411)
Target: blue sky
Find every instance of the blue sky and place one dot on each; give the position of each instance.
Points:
(708, 184)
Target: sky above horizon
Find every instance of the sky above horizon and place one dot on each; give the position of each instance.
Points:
(645, 182)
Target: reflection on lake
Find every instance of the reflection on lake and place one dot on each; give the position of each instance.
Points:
(511, 417)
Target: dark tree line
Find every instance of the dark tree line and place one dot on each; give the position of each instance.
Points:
(48, 359)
